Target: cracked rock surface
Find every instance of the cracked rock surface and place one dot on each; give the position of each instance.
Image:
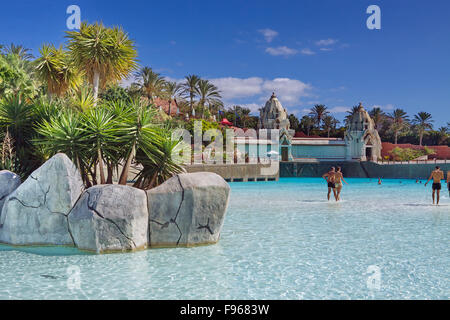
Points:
(110, 218)
(187, 210)
(36, 212)
(8, 183)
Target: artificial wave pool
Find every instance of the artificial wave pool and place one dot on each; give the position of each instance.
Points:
(281, 240)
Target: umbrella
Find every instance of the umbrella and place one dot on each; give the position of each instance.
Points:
(226, 122)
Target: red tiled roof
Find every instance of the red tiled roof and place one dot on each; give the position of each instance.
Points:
(164, 104)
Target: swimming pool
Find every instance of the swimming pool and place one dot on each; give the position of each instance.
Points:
(281, 240)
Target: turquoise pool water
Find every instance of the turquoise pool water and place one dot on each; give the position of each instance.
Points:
(280, 240)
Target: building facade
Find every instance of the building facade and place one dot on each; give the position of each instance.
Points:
(361, 142)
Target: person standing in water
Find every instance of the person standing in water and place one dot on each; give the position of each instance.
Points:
(437, 175)
(329, 178)
(448, 182)
(338, 179)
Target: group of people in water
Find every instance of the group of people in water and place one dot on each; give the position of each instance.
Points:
(335, 180)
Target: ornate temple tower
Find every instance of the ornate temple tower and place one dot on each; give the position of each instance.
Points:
(362, 139)
(273, 115)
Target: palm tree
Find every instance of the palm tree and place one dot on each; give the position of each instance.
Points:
(329, 123)
(399, 121)
(104, 54)
(442, 135)
(20, 51)
(151, 84)
(422, 122)
(307, 123)
(208, 93)
(190, 88)
(171, 90)
(378, 116)
(55, 69)
(318, 112)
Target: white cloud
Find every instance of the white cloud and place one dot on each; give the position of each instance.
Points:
(281, 51)
(254, 107)
(232, 88)
(326, 42)
(339, 109)
(268, 34)
(326, 49)
(307, 52)
(290, 91)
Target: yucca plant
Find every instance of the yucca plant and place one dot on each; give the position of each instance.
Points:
(16, 116)
(56, 70)
(82, 99)
(102, 128)
(158, 161)
(66, 133)
(139, 128)
(103, 54)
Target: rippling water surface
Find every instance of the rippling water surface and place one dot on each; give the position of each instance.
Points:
(281, 240)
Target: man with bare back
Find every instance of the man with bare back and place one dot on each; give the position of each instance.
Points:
(448, 182)
(437, 175)
(338, 180)
(330, 179)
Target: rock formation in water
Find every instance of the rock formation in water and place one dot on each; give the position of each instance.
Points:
(188, 210)
(110, 218)
(8, 183)
(36, 212)
(52, 208)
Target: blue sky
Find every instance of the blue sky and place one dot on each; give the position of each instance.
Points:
(307, 51)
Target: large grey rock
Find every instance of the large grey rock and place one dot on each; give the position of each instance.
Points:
(110, 218)
(188, 210)
(8, 183)
(36, 212)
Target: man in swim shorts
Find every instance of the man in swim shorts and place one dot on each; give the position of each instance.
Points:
(338, 179)
(437, 175)
(329, 178)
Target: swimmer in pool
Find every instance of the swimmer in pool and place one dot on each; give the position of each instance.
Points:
(437, 175)
(329, 178)
(338, 179)
(379, 181)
